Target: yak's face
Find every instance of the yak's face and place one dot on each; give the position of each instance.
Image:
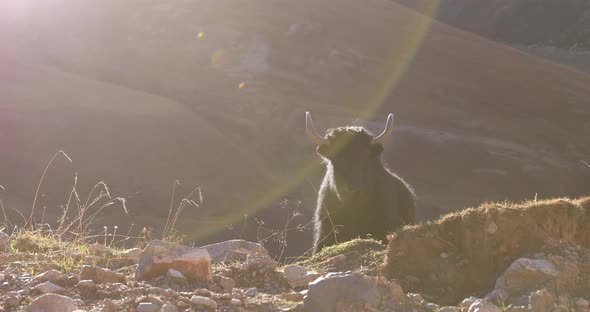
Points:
(352, 156)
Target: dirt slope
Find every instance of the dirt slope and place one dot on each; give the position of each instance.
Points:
(141, 93)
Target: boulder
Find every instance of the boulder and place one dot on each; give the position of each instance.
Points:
(159, 257)
(526, 274)
(338, 290)
(234, 250)
(100, 275)
(52, 303)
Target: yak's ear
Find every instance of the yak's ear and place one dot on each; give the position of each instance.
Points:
(323, 150)
(376, 149)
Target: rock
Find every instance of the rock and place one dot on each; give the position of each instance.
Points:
(147, 307)
(204, 302)
(259, 262)
(101, 275)
(482, 305)
(12, 300)
(117, 263)
(525, 274)
(109, 305)
(176, 277)
(331, 291)
(227, 283)
(4, 241)
(87, 288)
(466, 303)
(449, 309)
(397, 293)
(203, 292)
(299, 276)
(169, 308)
(2, 277)
(158, 257)
(292, 296)
(52, 303)
(100, 250)
(49, 287)
(251, 292)
(133, 253)
(541, 301)
(54, 276)
(492, 228)
(582, 303)
(234, 250)
(235, 302)
(93, 260)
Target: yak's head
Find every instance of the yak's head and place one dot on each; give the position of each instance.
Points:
(353, 152)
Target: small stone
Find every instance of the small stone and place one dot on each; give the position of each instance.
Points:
(415, 297)
(227, 283)
(257, 261)
(444, 255)
(203, 292)
(169, 308)
(51, 303)
(235, 302)
(492, 228)
(481, 305)
(204, 301)
(299, 276)
(2, 277)
(292, 296)
(101, 275)
(176, 277)
(53, 276)
(12, 300)
(466, 303)
(251, 292)
(431, 306)
(541, 301)
(449, 309)
(87, 288)
(49, 287)
(147, 307)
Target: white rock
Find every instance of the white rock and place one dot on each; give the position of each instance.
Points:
(299, 276)
(234, 250)
(52, 303)
(251, 292)
(147, 307)
(481, 305)
(204, 301)
(49, 287)
(169, 308)
(525, 274)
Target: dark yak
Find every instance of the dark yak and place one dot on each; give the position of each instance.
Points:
(359, 195)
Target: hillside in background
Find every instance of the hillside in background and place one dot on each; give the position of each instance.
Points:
(213, 93)
(556, 30)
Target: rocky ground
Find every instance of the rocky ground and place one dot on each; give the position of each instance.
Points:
(360, 275)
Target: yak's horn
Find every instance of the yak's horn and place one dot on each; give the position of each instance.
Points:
(311, 131)
(387, 132)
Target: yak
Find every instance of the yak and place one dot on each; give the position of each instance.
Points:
(359, 195)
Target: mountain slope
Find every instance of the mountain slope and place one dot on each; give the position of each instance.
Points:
(213, 93)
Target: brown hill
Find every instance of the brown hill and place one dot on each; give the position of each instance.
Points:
(140, 93)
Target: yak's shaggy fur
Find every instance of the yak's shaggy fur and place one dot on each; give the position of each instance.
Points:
(359, 196)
